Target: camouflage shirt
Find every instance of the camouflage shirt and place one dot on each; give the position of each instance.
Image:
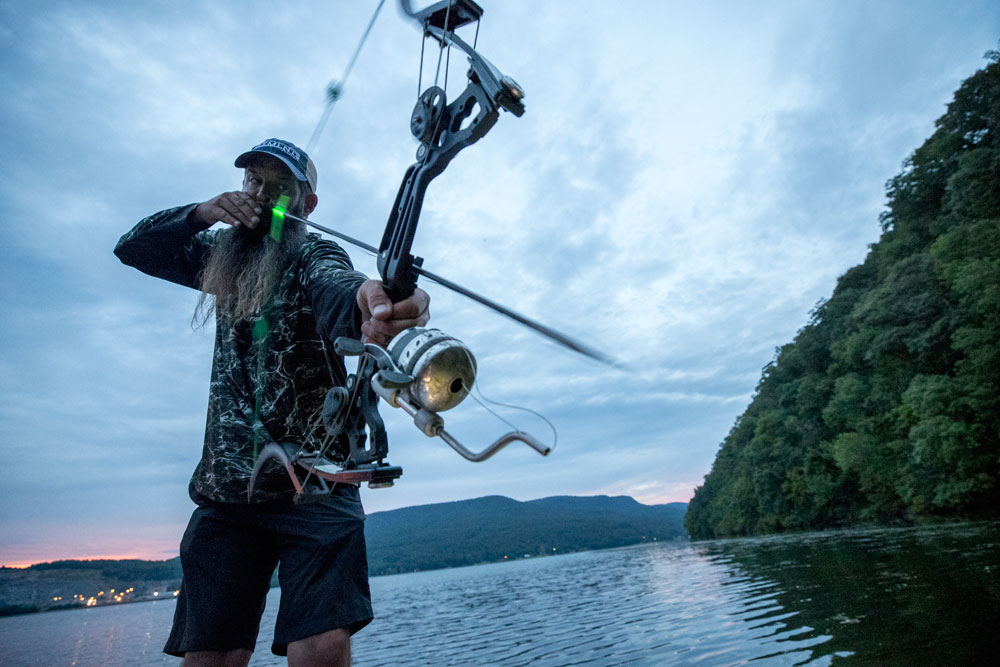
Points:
(270, 374)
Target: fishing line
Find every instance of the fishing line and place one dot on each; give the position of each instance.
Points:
(482, 399)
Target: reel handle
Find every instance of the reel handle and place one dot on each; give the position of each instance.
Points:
(431, 424)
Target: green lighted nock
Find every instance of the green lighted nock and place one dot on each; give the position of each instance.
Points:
(278, 218)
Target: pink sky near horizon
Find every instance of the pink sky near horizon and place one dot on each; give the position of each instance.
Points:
(162, 544)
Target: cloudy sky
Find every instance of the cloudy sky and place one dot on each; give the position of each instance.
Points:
(688, 181)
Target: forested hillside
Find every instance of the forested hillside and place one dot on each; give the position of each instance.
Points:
(496, 528)
(886, 407)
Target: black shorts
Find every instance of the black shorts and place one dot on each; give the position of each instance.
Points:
(229, 552)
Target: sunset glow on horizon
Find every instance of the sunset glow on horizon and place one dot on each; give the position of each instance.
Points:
(28, 561)
(121, 548)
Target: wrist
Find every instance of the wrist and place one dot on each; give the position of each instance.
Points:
(195, 221)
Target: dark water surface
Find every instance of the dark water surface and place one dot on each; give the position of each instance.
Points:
(924, 596)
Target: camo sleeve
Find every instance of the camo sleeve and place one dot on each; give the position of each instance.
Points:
(331, 285)
(167, 245)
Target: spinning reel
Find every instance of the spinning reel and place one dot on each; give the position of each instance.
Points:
(423, 372)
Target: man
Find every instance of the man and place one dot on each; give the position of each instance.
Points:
(277, 306)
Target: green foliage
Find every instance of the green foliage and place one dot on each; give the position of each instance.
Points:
(886, 407)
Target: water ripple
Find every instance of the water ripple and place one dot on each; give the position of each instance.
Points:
(915, 596)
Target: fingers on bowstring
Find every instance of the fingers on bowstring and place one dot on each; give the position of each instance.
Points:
(235, 209)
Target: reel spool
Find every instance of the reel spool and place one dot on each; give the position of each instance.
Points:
(442, 368)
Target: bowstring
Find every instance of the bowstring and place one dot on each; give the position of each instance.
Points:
(336, 89)
(420, 72)
(334, 92)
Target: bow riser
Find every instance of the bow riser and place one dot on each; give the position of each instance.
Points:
(452, 128)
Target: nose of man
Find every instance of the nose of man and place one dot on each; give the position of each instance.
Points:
(267, 196)
(255, 191)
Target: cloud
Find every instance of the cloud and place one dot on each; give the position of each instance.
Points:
(686, 183)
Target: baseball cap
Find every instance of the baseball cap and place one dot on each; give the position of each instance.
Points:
(296, 159)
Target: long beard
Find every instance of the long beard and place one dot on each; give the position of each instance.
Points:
(243, 270)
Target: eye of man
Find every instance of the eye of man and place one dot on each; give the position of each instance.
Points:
(280, 187)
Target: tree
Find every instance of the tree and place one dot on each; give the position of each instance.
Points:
(886, 406)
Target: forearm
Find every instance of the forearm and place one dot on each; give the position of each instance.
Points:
(165, 245)
(331, 287)
(335, 306)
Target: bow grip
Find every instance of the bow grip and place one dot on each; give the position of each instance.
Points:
(395, 262)
(400, 280)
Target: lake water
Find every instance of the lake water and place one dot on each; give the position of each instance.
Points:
(926, 596)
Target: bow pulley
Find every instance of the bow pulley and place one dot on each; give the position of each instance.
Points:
(443, 130)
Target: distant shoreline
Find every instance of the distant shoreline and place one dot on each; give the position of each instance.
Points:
(479, 531)
(24, 610)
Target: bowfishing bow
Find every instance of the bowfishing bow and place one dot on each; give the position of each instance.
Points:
(423, 371)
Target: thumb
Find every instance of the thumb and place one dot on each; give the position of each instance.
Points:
(373, 301)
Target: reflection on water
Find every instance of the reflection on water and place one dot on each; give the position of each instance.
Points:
(128, 634)
(647, 605)
(928, 596)
(913, 597)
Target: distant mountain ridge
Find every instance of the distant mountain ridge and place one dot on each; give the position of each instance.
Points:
(422, 537)
(493, 528)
